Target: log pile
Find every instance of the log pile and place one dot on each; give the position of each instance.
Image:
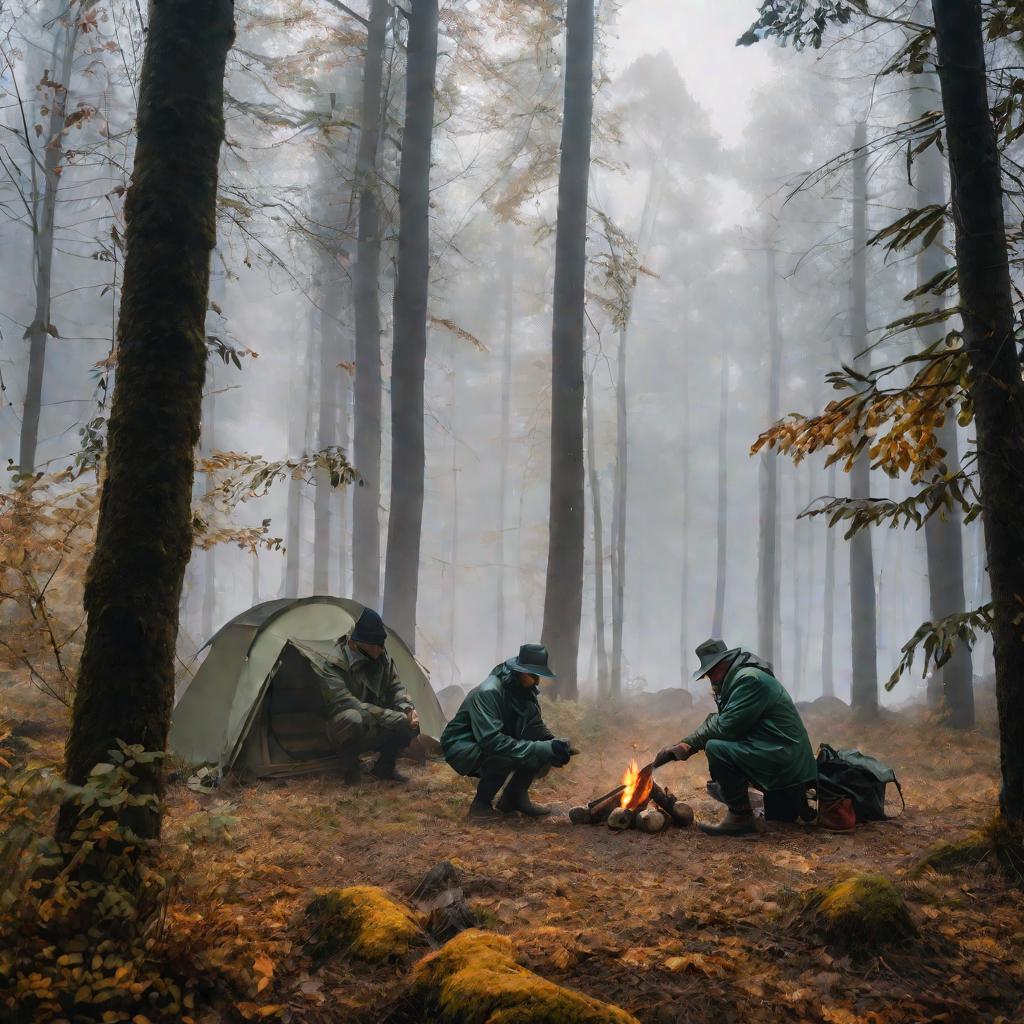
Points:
(638, 803)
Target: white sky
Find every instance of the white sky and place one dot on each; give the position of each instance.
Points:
(701, 37)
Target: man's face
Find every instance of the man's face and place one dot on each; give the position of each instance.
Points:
(718, 673)
(526, 680)
(372, 651)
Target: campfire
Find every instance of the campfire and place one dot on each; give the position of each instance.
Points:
(629, 805)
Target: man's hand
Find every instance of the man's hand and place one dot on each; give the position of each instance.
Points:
(414, 718)
(678, 752)
(561, 751)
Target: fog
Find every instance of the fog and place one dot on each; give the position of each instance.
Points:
(705, 162)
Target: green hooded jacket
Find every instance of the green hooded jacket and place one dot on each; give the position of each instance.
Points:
(498, 720)
(757, 719)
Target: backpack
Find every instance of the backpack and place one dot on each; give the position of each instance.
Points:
(858, 776)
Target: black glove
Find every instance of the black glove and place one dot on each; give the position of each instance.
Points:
(560, 753)
(677, 752)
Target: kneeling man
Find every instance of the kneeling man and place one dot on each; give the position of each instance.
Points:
(498, 734)
(367, 705)
(756, 737)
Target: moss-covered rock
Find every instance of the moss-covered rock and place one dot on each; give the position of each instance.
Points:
(997, 839)
(861, 911)
(474, 979)
(361, 921)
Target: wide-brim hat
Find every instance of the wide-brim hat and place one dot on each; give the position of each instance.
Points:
(712, 653)
(533, 660)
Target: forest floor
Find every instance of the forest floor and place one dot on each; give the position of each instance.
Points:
(672, 927)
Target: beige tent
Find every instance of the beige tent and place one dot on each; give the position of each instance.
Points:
(255, 702)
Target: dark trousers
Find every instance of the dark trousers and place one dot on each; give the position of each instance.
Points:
(492, 778)
(786, 804)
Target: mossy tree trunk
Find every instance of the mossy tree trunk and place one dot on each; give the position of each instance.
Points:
(144, 534)
(996, 388)
(405, 522)
(563, 592)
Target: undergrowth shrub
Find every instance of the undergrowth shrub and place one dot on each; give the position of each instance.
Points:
(87, 928)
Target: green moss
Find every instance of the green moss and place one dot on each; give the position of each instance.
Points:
(861, 910)
(946, 856)
(474, 979)
(362, 921)
(999, 838)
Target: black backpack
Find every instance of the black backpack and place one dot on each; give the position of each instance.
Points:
(860, 777)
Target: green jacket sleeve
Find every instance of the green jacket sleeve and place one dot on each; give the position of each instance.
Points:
(339, 698)
(747, 703)
(486, 722)
(396, 696)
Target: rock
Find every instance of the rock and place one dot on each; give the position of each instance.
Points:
(439, 897)
(650, 820)
(861, 911)
(450, 698)
(474, 979)
(824, 706)
(362, 921)
(620, 819)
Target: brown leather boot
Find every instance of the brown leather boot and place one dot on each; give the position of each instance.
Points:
(735, 823)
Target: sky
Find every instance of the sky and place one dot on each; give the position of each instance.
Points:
(701, 37)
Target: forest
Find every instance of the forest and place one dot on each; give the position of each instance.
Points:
(417, 415)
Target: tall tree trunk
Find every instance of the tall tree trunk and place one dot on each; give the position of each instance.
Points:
(768, 640)
(598, 524)
(684, 484)
(254, 565)
(402, 569)
(144, 534)
(330, 355)
(208, 433)
(718, 621)
(366, 300)
(797, 678)
(864, 652)
(944, 530)
(828, 629)
(563, 592)
(296, 442)
(453, 545)
(621, 484)
(996, 388)
(65, 41)
(508, 263)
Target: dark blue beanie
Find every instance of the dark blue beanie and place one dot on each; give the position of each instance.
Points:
(369, 628)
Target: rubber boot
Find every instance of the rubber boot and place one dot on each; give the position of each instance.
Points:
(385, 766)
(352, 772)
(480, 809)
(517, 797)
(735, 823)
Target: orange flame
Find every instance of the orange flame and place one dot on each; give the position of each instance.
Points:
(638, 787)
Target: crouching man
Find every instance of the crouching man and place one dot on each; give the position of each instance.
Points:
(755, 738)
(498, 734)
(368, 708)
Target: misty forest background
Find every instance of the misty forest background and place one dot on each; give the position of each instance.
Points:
(720, 285)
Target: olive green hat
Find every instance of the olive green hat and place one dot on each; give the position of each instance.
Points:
(711, 652)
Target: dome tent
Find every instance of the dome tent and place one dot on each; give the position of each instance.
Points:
(255, 702)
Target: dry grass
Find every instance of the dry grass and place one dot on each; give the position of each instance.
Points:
(673, 925)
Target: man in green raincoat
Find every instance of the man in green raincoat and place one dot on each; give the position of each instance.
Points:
(756, 737)
(498, 734)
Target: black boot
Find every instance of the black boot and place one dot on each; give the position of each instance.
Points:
(352, 772)
(385, 766)
(480, 809)
(517, 797)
